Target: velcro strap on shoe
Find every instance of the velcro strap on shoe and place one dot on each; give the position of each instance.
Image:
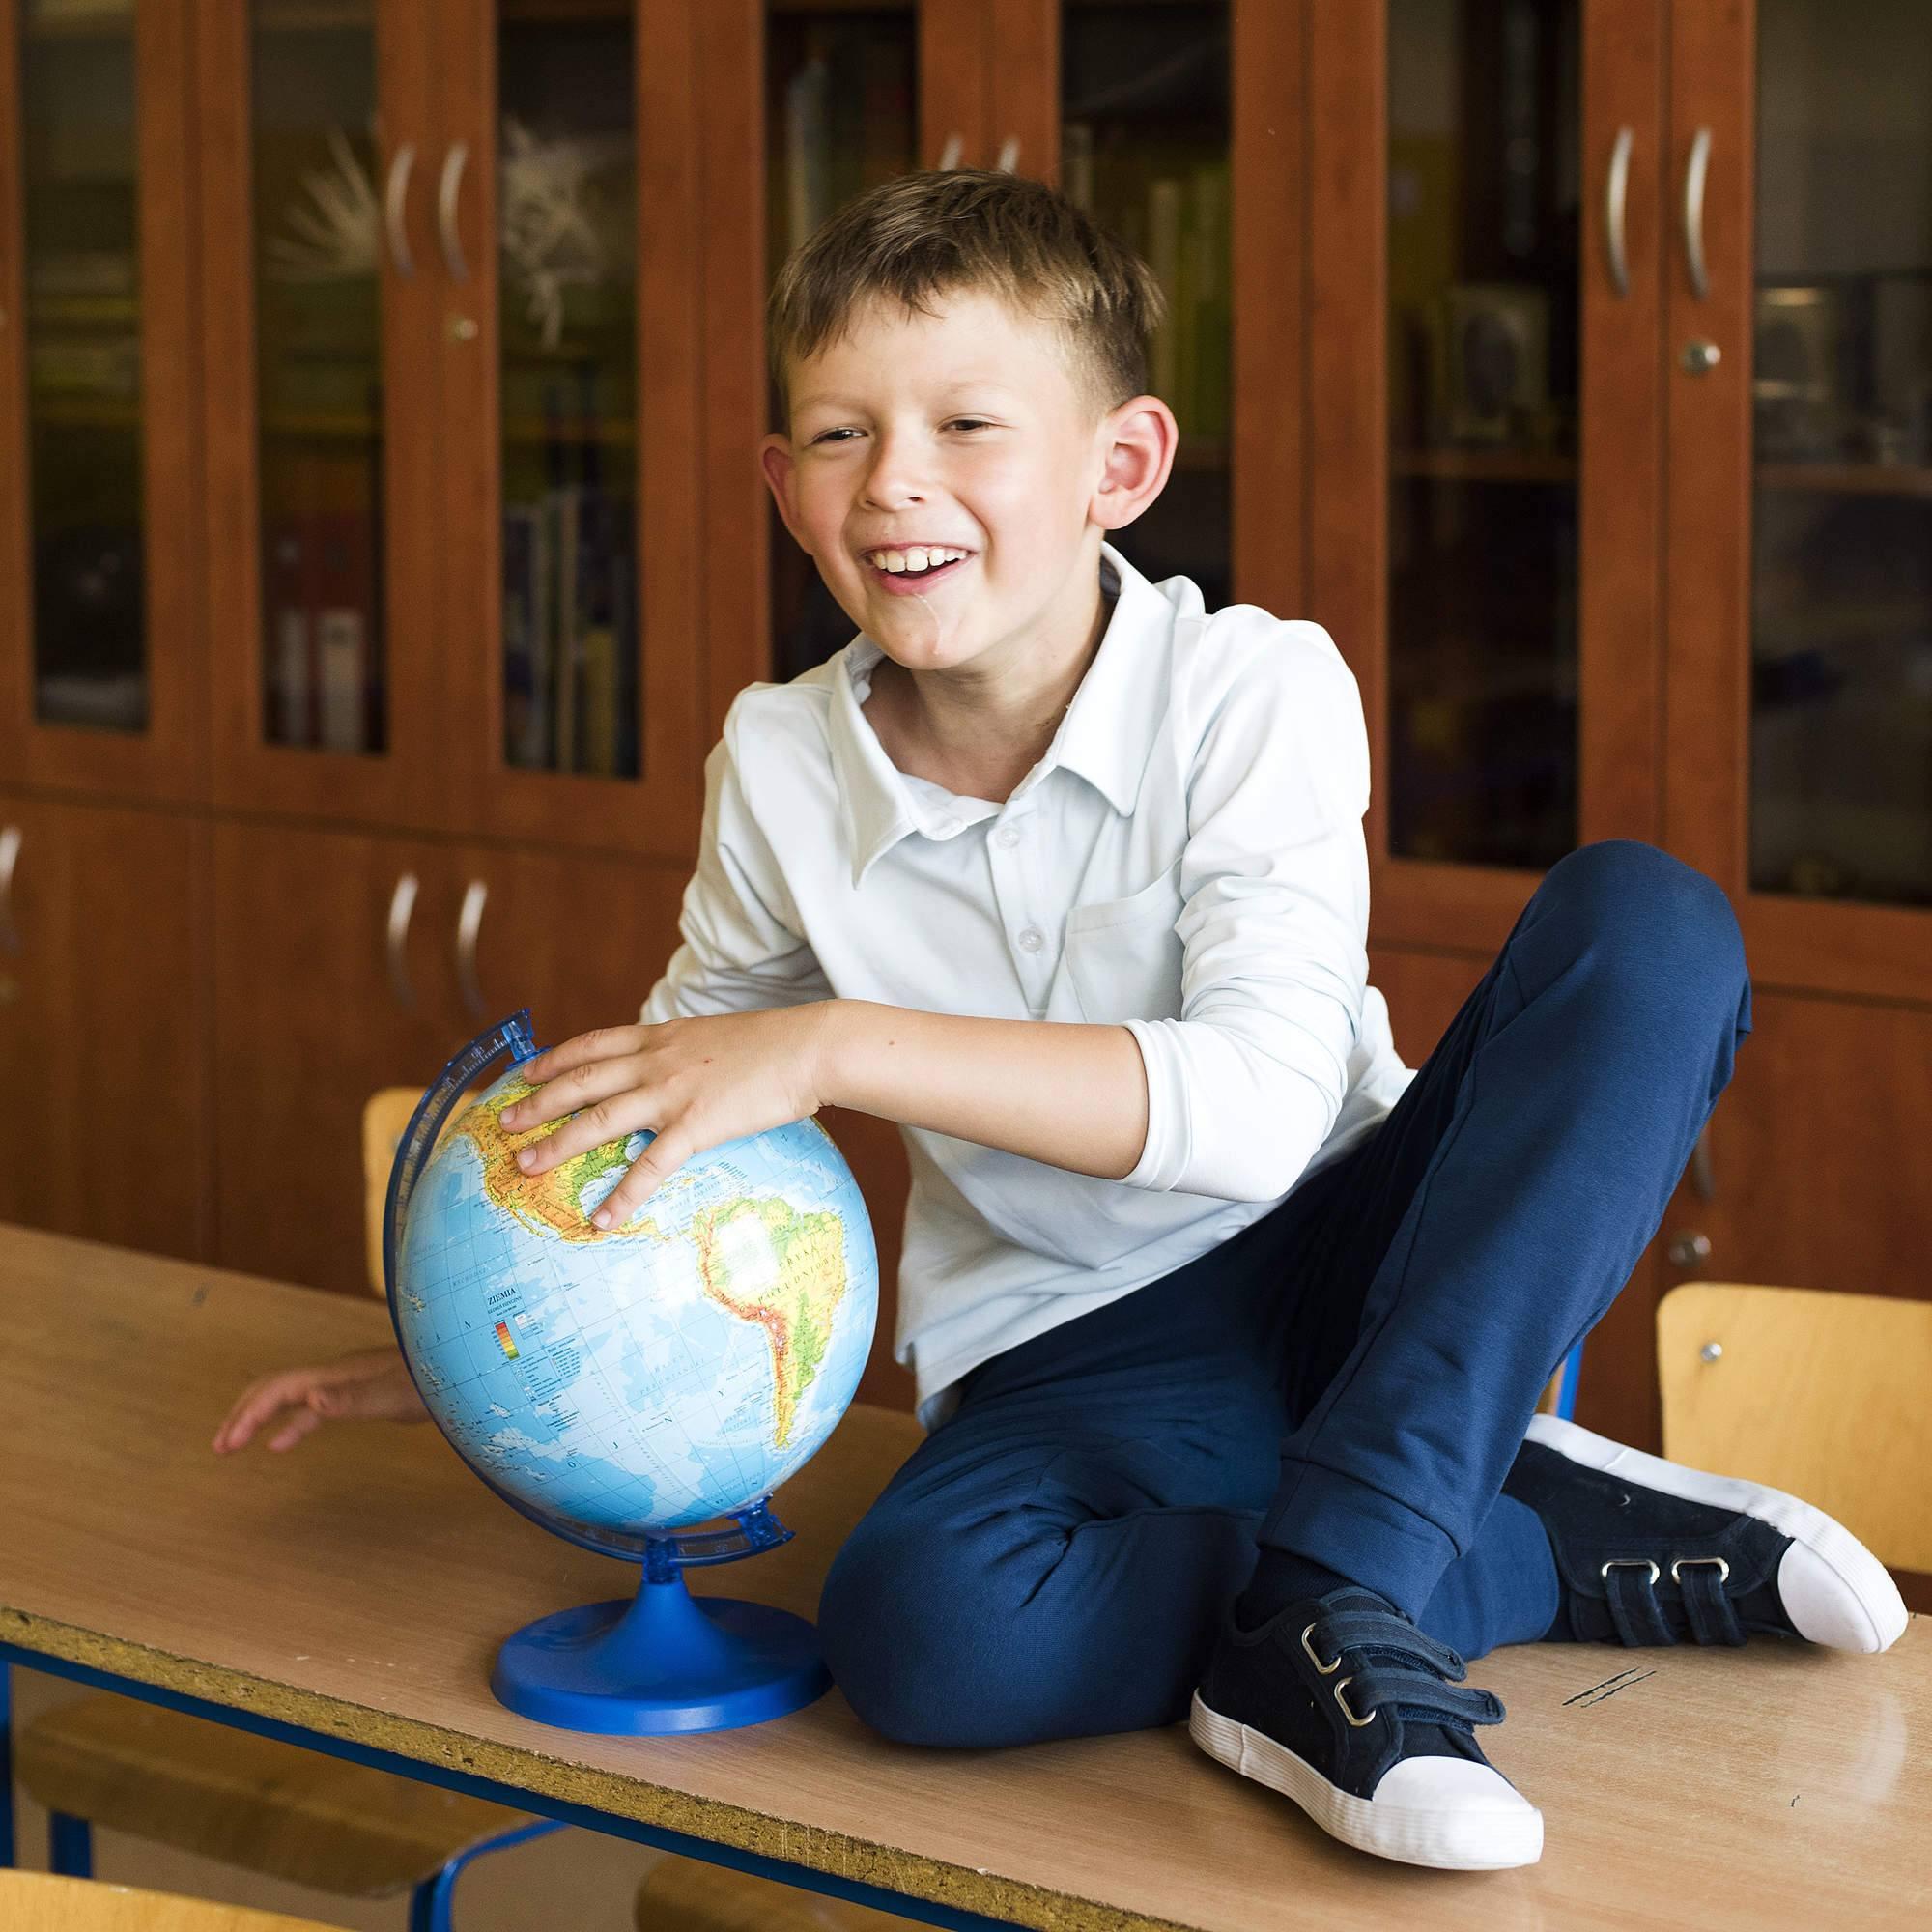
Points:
(1712, 1619)
(1393, 1636)
(1421, 1696)
(1631, 1590)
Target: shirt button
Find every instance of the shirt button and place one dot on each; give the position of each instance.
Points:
(1032, 939)
(1008, 836)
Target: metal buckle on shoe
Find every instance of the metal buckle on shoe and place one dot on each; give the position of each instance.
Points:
(1687, 1562)
(1359, 1723)
(1326, 1669)
(1644, 1563)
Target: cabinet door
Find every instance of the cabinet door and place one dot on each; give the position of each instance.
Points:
(102, 1000)
(1174, 123)
(1483, 182)
(319, 312)
(1800, 724)
(101, 607)
(568, 301)
(331, 981)
(1816, 1175)
(809, 103)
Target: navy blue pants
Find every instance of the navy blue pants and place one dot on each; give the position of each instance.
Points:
(1348, 1380)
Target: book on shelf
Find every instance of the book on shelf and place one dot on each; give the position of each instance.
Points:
(807, 148)
(289, 596)
(343, 621)
(527, 635)
(562, 507)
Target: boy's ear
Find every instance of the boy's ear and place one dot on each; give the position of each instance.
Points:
(775, 459)
(1137, 443)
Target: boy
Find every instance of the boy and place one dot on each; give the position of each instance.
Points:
(1228, 1329)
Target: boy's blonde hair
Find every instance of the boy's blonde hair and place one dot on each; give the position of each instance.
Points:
(940, 231)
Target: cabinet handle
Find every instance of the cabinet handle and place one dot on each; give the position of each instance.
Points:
(453, 165)
(9, 857)
(469, 923)
(1616, 196)
(1008, 160)
(949, 155)
(402, 904)
(1697, 171)
(1690, 1249)
(1703, 1177)
(400, 164)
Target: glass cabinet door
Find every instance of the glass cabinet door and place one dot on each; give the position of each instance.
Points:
(1146, 126)
(100, 634)
(1486, 432)
(322, 404)
(1801, 483)
(1840, 792)
(568, 312)
(841, 114)
(1485, 183)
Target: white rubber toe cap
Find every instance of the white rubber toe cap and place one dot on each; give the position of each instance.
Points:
(1455, 1812)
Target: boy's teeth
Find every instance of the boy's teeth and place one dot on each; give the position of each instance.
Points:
(914, 559)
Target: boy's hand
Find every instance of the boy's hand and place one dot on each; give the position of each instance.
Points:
(694, 1083)
(370, 1386)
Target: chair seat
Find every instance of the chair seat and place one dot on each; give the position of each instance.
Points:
(35, 1902)
(248, 1801)
(696, 1898)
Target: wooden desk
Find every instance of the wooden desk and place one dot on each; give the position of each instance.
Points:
(351, 1595)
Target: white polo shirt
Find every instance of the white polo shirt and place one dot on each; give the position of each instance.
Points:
(1186, 859)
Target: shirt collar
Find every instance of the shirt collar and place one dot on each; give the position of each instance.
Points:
(1106, 737)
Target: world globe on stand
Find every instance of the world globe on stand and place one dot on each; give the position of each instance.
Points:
(620, 1386)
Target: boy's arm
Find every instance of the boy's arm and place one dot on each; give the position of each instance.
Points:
(1074, 1096)
(741, 950)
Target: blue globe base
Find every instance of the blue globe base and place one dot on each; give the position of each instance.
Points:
(661, 1662)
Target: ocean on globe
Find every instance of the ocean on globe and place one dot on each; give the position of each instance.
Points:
(654, 1375)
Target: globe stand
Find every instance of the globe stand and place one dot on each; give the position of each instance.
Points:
(665, 1660)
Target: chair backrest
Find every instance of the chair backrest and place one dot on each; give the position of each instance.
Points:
(1825, 1395)
(35, 1902)
(386, 1116)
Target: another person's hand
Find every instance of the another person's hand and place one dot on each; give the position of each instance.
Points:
(693, 1083)
(372, 1386)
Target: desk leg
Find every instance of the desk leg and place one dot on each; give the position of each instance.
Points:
(6, 1763)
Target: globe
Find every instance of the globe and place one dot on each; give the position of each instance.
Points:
(623, 1385)
(666, 1373)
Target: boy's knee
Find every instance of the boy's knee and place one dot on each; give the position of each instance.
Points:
(899, 1634)
(1653, 913)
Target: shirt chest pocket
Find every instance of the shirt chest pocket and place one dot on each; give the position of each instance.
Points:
(1124, 955)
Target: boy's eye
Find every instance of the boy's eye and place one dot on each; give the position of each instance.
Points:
(956, 422)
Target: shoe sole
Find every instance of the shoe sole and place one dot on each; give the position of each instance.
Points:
(1816, 1596)
(1447, 1840)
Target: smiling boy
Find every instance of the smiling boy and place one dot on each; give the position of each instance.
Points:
(1227, 1330)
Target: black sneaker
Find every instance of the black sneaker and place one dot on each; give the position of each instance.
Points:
(1649, 1552)
(1340, 1703)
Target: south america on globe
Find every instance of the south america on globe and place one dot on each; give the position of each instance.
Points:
(646, 1377)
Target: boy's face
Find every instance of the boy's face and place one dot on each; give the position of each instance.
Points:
(963, 431)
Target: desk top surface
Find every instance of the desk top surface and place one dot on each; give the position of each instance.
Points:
(359, 1586)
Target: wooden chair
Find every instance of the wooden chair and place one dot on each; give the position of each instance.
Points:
(1821, 1394)
(256, 1803)
(693, 1897)
(40, 1902)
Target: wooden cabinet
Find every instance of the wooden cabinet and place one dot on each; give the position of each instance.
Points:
(103, 1015)
(100, 561)
(449, 276)
(1620, 426)
(378, 501)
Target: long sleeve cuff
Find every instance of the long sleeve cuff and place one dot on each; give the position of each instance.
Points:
(1244, 1136)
